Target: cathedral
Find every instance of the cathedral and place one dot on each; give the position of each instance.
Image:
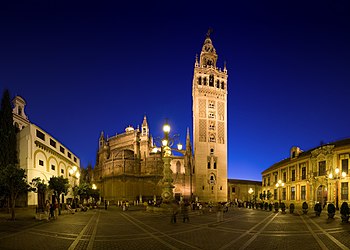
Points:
(129, 166)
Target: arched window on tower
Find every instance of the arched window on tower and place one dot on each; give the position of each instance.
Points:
(204, 81)
(222, 85)
(212, 179)
(211, 80)
(199, 80)
(212, 138)
(218, 84)
(20, 111)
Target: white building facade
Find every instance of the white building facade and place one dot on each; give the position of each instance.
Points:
(40, 154)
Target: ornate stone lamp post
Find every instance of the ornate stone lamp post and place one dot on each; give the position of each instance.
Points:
(336, 177)
(167, 181)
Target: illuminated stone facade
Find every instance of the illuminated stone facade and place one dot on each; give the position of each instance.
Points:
(39, 153)
(312, 176)
(209, 93)
(129, 167)
(238, 190)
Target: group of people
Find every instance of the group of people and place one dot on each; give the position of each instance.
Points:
(183, 207)
(51, 210)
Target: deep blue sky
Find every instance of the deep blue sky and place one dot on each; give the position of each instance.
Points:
(84, 67)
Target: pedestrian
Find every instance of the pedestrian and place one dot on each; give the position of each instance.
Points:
(106, 204)
(174, 212)
(47, 210)
(219, 213)
(184, 210)
(56, 209)
(69, 208)
(200, 209)
(52, 211)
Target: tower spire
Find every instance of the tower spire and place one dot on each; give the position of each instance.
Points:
(210, 30)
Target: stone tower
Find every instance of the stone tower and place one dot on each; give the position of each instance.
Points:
(20, 119)
(209, 95)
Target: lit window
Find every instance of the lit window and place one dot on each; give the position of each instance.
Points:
(293, 175)
(344, 191)
(322, 168)
(292, 193)
(303, 173)
(344, 165)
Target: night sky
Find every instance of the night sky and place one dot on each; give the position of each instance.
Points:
(84, 67)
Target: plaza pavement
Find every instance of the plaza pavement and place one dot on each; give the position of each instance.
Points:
(242, 228)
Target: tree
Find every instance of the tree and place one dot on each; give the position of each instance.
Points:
(14, 182)
(40, 188)
(58, 185)
(8, 141)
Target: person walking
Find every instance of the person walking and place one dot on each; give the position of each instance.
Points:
(175, 210)
(47, 210)
(56, 209)
(184, 210)
(219, 213)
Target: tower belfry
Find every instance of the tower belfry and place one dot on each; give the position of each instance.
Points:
(209, 96)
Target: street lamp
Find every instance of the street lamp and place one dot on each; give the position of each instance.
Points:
(76, 175)
(250, 191)
(167, 181)
(279, 184)
(336, 177)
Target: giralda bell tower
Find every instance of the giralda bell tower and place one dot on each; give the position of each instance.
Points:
(209, 95)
